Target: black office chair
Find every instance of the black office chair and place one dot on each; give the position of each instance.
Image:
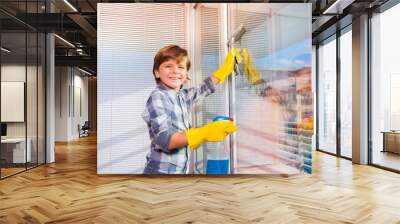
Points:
(84, 130)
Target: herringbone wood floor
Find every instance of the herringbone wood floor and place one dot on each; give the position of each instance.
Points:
(70, 191)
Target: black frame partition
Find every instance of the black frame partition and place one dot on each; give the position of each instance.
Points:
(369, 55)
(334, 37)
(338, 98)
(26, 53)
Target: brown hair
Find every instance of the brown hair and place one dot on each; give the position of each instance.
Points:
(170, 52)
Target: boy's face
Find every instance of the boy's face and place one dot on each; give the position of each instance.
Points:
(172, 73)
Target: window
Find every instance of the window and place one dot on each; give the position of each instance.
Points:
(346, 94)
(385, 89)
(327, 96)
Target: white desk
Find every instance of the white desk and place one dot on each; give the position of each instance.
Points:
(18, 150)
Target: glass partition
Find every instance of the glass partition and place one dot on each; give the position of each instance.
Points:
(31, 99)
(346, 93)
(41, 109)
(271, 95)
(13, 90)
(209, 39)
(385, 89)
(22, 89)
(327, 96)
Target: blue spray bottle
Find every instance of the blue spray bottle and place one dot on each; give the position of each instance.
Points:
(218, 160)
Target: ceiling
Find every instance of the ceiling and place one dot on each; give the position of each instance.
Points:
(76, 22)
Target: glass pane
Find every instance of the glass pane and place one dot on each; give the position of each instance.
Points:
(15, 6)
(386, 89)
(31, 101)
(9, 24)
(215, 104)
(31, 83)
(346, 94)
(13, 87)
(273, 99)
(327, 97)
(314, 91)
(41, 98)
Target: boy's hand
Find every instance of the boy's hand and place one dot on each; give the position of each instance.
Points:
(212, 132)
(228, 66)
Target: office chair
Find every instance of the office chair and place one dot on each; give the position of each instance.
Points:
(84, 130)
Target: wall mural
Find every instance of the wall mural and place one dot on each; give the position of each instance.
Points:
(269, 95)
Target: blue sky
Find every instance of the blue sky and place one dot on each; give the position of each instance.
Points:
(290, 58)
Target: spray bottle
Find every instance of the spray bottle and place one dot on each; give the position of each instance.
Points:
(218, 159)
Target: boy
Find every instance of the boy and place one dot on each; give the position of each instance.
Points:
(168, 112)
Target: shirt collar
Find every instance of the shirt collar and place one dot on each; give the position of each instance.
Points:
(162, 87)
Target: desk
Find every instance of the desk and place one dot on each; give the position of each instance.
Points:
(391, 141)
(16, 147)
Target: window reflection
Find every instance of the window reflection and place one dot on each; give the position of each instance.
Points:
(327, 97)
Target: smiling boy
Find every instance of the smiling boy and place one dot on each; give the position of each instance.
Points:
(168, 112)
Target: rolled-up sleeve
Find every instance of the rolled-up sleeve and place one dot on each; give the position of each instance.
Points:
(194, 94)
(157, 117)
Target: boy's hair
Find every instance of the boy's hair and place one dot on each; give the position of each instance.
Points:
(170, 52)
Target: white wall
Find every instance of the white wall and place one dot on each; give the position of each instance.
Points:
(61, 103)
(81, 82)
(70, 83)
(16, 73)
(12, 101)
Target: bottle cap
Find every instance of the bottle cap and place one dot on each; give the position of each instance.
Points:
(223, 118)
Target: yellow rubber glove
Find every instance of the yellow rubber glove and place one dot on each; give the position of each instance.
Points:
(252, 73)
(228, 66)
(212, 132)
(307, 123)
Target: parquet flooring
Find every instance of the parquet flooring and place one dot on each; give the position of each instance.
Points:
(10, 171)
(70, 191)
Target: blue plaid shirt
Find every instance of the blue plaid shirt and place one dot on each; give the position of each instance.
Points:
(167, 112)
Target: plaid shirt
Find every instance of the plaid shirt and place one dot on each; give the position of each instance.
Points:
(167, 112)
